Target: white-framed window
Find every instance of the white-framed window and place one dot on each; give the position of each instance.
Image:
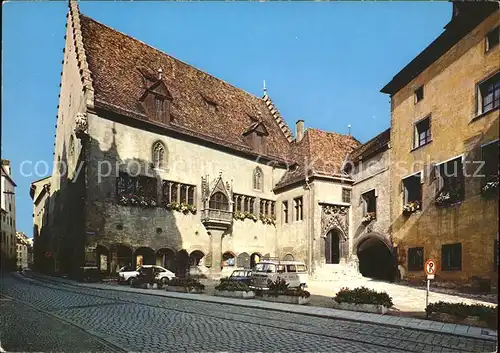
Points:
(492, 38)
(422, 132)
(488, 94)
(419, 94)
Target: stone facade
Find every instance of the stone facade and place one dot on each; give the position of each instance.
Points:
(40, 194)
(8, 207)
(369, 167)
(91, 222)
(458, 129)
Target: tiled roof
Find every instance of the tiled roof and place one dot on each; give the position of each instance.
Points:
(372, 146)
(119, 63)
(319, 152)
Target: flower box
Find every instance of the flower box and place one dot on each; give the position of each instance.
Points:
(490, 188)
(369, 308)
(411, 207)
(289, 299)
(182, 289)
(235, 294)
(447, 198)
(370, 216)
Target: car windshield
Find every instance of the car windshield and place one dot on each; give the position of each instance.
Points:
(269, 268)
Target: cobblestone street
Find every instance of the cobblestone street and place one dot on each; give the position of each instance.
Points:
(137, 322)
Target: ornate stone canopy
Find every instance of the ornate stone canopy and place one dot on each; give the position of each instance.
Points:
(334, 216)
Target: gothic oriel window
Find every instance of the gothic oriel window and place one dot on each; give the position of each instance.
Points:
(159, 155)
(257, 179)
(218, 201)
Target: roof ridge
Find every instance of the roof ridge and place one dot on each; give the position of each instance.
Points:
(83, 65)
(277, 117)
(372, 139)
(172, 57)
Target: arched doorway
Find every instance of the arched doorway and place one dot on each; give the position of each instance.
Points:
(243, 260)
(102, 258)
(376, 258)
(166, 257)
(196, 257)
(123, 256)
(254, 259)
(144, 256)
(181, 263)
(333, 241)
(228, 259)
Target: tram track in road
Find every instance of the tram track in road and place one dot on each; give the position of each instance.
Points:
(341, 330)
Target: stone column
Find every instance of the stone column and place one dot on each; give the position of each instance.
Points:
(114, 260)
(216, 250)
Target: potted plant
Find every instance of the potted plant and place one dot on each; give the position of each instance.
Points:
(185, 285)
(363, 299)
(233, 289)
(447, 197)
(411, 207)
(278, 291)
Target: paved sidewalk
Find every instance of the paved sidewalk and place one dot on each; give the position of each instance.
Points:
(386, 320)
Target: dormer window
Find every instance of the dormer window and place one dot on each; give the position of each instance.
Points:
(159, 108)
(156, 101)
(256, 135)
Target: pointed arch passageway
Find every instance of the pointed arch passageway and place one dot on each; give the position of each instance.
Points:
(376, 258)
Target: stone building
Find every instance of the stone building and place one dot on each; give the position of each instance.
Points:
(42, 247)
(444, 150)
(24, 251)
(369, 165)
(8, 206)
(162, 163)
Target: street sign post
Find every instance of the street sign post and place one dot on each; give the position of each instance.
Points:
(430, 270)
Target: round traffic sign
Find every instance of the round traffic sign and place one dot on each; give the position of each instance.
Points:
(48, 254)
(430, 267)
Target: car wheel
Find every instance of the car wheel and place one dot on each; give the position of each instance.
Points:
(129, 281)
(302, 286)
(164, 280)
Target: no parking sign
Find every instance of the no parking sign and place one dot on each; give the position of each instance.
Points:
(430, 268)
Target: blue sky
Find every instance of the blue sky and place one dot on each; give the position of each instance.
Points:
(322, 62)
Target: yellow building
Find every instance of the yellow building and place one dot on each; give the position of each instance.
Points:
(444, 150)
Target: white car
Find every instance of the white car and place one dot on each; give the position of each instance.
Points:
(127, 276)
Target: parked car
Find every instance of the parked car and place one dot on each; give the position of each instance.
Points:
(293, 272)
(126, 275)
(243, 276)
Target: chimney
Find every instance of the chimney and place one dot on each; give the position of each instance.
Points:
(299, 130)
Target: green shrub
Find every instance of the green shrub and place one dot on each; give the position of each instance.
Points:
(232, 286)
(277, 286)
(363, 295)
(280, 287)
(488, 314)
(186, 282)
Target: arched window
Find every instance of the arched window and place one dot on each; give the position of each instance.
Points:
(257, 179)
(159, 155)
(288, 257)
(218, 201)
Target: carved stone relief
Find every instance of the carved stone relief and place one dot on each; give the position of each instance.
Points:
(81, 125)
(334, 216)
